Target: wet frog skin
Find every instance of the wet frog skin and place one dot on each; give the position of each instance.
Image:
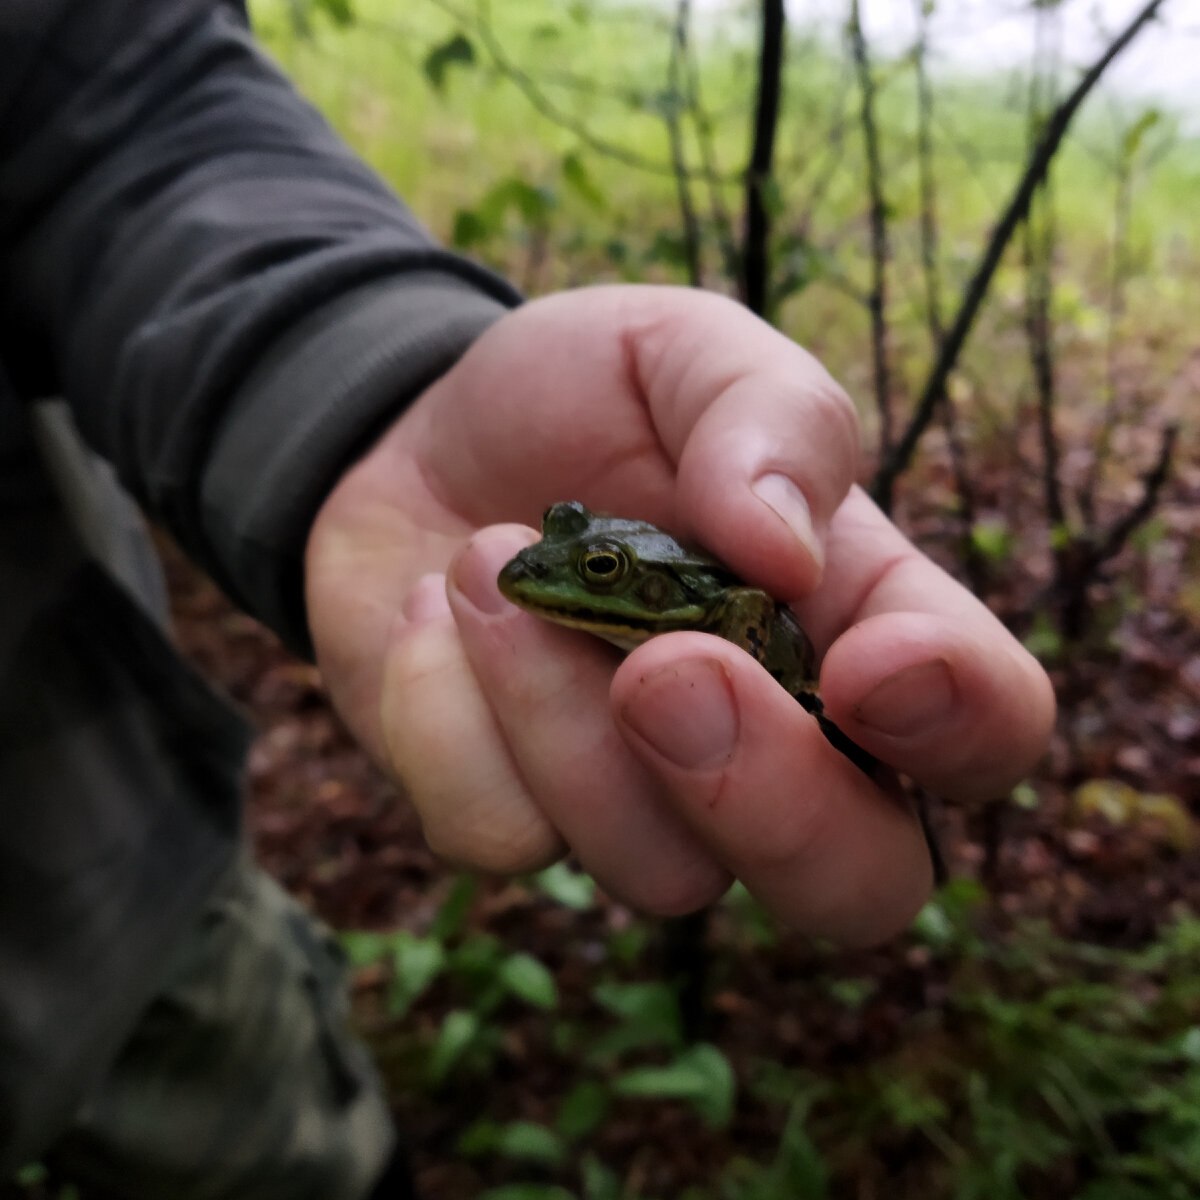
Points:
(628, 581)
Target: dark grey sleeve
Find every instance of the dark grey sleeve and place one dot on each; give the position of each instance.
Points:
(232, 303)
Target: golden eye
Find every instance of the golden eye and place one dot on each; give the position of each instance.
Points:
(603, 564)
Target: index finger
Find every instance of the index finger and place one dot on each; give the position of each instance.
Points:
(924, 675)
(764, 440)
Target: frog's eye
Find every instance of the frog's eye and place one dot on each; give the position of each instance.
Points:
(603, 564)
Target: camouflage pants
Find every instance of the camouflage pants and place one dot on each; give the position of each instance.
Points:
(242, 1081)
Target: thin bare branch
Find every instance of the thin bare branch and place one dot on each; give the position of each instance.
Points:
(1040, 238)
(1018, 206)
(1117, 534)
(877, 296)
(721, 219)
(481, 23)
(674, 118)
(926, 180)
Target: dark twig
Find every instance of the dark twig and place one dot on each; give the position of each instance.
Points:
(721, 219)
(897, 461)
(1119, 278)
(1039, 243)
(541, 102)
(973, 561)
(1082, 557)
(1114, 538)
(926, 180)
(758, 172)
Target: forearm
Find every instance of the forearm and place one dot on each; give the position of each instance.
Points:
(232, 303)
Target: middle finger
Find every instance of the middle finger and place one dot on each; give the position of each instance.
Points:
(549, 690)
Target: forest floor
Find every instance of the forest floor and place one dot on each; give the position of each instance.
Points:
(1108, 865)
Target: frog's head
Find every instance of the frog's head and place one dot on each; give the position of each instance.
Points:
(623, 580)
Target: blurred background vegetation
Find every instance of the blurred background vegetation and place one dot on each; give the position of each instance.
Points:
(1038, 1032)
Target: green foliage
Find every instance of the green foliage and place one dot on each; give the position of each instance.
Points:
(340, 12)
(992, 540)
(797, 1172)
(701, 1075)
(459, 1030)
(583, 1109)
(572, 889)
(1044, 641)
(1061, 1053)
(451, 918)
(530, 980)
(1135, 135)
(577, 177)
(599, 1182)
(416, 963)
(518, 1140)
(301, 13)
(649, 1017)
(513, 198)
(526, 1191)
(457, 50)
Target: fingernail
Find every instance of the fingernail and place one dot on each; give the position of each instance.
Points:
(787, 502)
(474, 573)
(912, 701)
(687, 712)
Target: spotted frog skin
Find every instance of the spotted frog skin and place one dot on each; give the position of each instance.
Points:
(628, 581)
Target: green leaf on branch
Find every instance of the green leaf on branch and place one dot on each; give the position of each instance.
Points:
(1132, 140)
(455, 51)
(469, 229)
(526, 1191)
(452, 913)
(524, 1140)
(530, 980)
(992, 539)
(599, 1182)
(576, 177)
(582, 1110)
(458, 1031)
(572, 889)
(701, 1075)
(416, 963)
(363, 947)
(532, 1143)
(649, 1015)
(338, 11)
(1044, 641)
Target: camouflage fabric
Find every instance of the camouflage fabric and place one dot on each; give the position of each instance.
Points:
(207, 1039)
(242, 1080)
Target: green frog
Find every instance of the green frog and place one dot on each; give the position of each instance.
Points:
(627, 581)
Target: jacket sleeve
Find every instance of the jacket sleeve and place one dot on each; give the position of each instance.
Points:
(231, 302)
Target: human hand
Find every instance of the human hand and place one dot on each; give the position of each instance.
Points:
(686, 764)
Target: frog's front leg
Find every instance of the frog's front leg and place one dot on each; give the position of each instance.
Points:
(744, 617)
